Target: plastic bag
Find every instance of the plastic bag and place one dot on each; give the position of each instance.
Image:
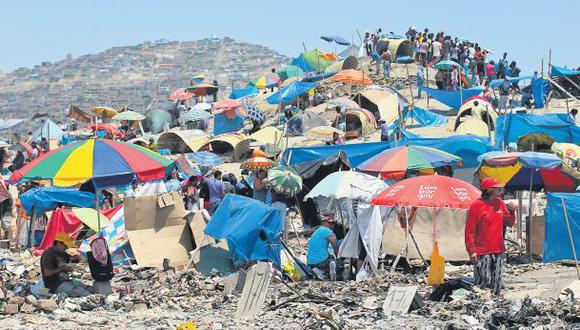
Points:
(437, 268)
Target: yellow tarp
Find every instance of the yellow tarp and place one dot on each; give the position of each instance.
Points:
(502, 174)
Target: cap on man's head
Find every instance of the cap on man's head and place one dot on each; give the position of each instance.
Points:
(64, 239)
(489, 183)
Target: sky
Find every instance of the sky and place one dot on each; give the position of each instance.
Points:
(38, 30)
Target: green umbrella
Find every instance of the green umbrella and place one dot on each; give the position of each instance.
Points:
(285, 181)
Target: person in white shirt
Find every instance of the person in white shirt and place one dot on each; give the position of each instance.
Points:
(436, 52)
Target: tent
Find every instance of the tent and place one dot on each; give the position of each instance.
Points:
(290, 92)
(383, 104)
(48, 130)
(558, 71)
(336, 194)
(230, 120)
(314, 60)
(156, 120)
(557, 244)
(312, 172)
(559, 126)
(452, 99)
(266, 136)
(399, 46)
(480, 114)
(179, 142)
(251, 228)
(359, 123)
(303, 122)
(224, 145)
(45, 199)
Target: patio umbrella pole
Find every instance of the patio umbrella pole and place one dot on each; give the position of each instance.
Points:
(570, 235)
(97, 193)
(529, 221)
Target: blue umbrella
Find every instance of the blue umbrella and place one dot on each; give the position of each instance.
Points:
(290, 92)
(447, 65)
(338, 39)
(205, 158)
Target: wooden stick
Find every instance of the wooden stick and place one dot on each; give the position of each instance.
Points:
(570, 235)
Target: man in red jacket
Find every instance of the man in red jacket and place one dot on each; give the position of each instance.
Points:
(484, 234)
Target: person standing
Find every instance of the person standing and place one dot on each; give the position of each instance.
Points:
(387, 59)
(217, 191)
(504, 95)
(484, 234)
(436, 45)
(377, 59)
(260, 184)
(340, 120)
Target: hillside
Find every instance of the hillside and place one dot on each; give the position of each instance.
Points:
(137, 76)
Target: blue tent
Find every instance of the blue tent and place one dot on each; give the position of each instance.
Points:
(452, 99)
(557, 240)
(48, 198)
(48, 130)
(290, 92)
(468, 147)
(558, 126)
(251, 228)
(558, 71)
(540, 91)
(497, 82)
(237, 94)
(227, 121)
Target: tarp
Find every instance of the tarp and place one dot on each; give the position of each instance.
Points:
(313, 60)
(61, 220)
(290, 92)
(48, 130)
(558, 71)
(468, 147)
(9, 123)
(156, 120)
(237, 94)
(511, 127)
(497, 82)
(383, 104)
(182, 141)
(318, 77)
(251, 228)
(227, 121)
(114, 233)
(48, 198)
(540, 91)
(79, 115)
(338, 39)
(422, 117)
(557, 244)
(452, 99)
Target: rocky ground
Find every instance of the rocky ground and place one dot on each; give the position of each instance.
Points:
(157, 299)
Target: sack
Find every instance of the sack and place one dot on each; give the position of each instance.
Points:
(437, 268)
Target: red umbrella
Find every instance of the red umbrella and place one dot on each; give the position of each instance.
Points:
(226, 104)
(181, 94)
(429, 191)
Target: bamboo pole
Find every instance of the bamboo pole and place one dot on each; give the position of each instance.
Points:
(570, 235)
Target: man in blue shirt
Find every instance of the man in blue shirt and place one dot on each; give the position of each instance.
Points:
(217, 191)
(317, 255)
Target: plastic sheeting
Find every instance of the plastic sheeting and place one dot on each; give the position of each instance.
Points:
(452, 99)
(48, 130)
(303, 122)
(512, 126)
(9, 123)
(251, 228)
(61, 220)
(558, 71)
(468, 147)
(422, 117)
(227, 121)
(497, 82)
(48, 198)
(540, 91)
(241, 93)
(290, 92)
(557, 245)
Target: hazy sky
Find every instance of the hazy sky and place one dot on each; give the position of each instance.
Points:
(36, 30)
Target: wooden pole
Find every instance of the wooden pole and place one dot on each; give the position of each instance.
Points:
(570, 235)
(520, 216)
(427, 83)
(529, 220)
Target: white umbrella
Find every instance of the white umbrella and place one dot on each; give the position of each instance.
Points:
(129, 115)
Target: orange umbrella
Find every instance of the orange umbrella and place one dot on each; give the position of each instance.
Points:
(181, 94)
(351, 76)
(257, 163)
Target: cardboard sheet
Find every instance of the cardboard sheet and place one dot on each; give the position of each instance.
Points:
(158, 231)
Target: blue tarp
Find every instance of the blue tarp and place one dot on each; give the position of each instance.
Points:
(48, 130)
(338, 39)
(558, 71)
(9, 123)
(290, 92)
(468, 147)
(318, 77)
(251, 228)
(452, 99)
(557, 244)
(243, 92)
(48, 198)
(558, 126)
(540, 91)
(227, 121)
(301, 62)
(497, 82)
(425, 117)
